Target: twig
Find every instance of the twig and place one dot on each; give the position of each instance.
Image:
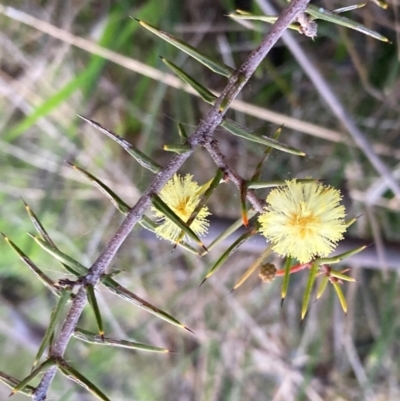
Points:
(203, 135)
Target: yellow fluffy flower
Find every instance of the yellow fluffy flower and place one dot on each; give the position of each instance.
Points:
(181, 194)
(303, 220)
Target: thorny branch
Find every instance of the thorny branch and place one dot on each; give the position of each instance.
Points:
(203, 135)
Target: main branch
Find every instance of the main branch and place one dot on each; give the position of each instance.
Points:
(203, 135)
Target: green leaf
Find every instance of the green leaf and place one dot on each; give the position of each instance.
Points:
(44, 236)
(381, 3)
(342, 276)
(71, 373)
(213, 65)
(276, 183)
(207, 189)
(145, 222)
(229, 231)
(267, 152)
(244, 237)
(320, 13)
(47, 281)
(243, 207)
(264, 18)
(253, 267)
(340, 295)
(203, 92)
(322, 286)
(35, 372)
(38, 225)
(348, 8)
(162, 207)
(95, 306)
(139, 156)
(286, 278)
(242, 132)
(11, 382)
(112, 196)
(182, 132)
(76, 268)
(308, 290)
(55, 315)
(127, 295)
(338, 258)
(80, 270)
(92, 338)
(150, 225)
(177, 148)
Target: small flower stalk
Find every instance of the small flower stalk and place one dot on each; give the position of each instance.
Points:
(303, 220)
(182, 196)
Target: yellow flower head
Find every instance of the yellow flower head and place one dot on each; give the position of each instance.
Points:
(181, 194)
(303, 220)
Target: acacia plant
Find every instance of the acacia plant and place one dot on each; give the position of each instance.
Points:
(303, 220)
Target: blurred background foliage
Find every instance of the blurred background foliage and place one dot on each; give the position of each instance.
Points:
(246, 346)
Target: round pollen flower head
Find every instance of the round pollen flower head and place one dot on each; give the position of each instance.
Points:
(303, 220)
(181, 194)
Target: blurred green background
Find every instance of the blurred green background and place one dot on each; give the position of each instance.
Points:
(246, 346)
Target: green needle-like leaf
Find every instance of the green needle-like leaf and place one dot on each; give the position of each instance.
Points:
(286, 278)
(252, 268)
(244, 237)
(72, 374)
(38, 225)
(11, 382)
(322, 286)
(47, 281)
(342, 276)
(77, 268)
(92, 338)
(340, 295)
(207, 189)
(320, 13)
(243, 208)
(203, 92)
(242, 132)
(124, 293)
(350, 222)
(80, 270)
(338, 258)
(162, 207)
(177, 148)
(213, 65)
(40, 369)
(44, 236)
(308, 290)
(150, 225)
(139, 156)
(267, 152)
(182, 132)
(348, 8)
(381, 3)
(145, 222)
(229, 231)
(55, 315)
(276, 183)
(112, 196)
(264, 18)
(95, 306)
